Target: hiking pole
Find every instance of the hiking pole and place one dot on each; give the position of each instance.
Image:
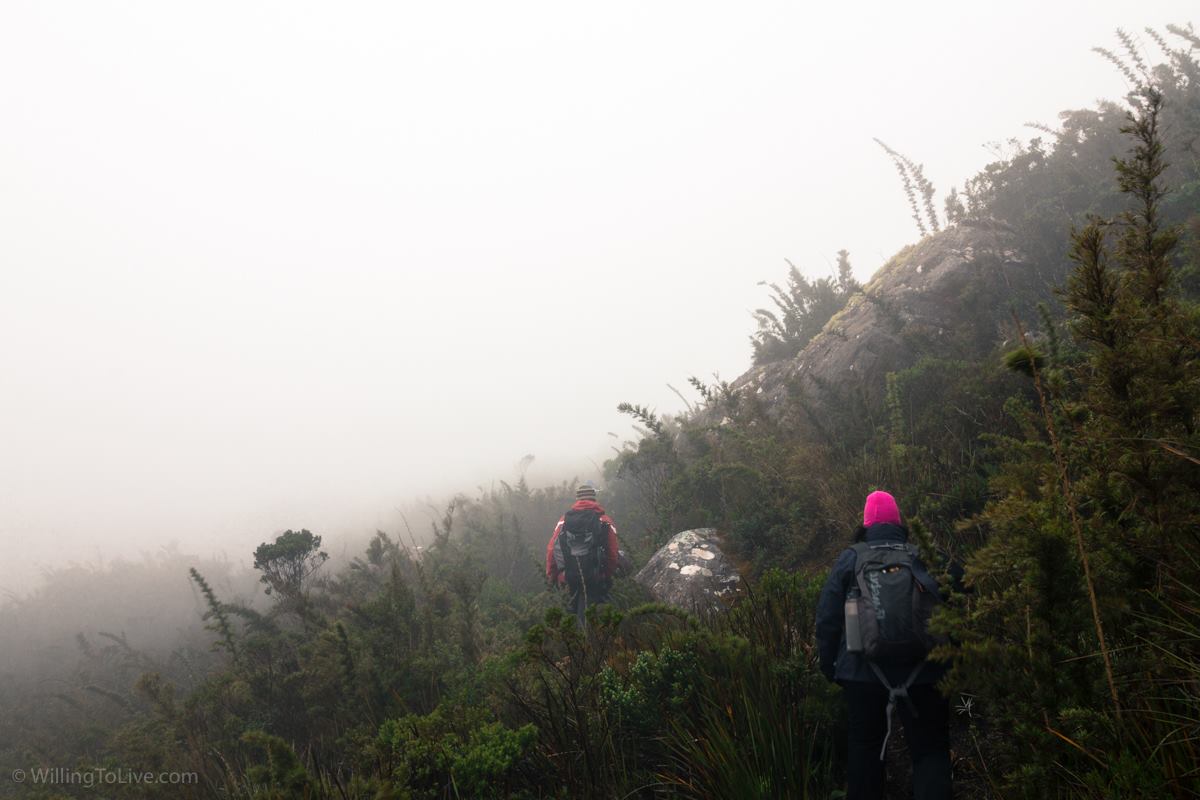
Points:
(582, 607)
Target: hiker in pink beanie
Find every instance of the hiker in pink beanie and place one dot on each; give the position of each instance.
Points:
(880, 507)
(879, 683)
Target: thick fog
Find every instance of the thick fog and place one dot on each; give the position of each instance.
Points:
(271, 265)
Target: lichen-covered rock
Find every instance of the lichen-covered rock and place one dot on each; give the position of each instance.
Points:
(691, 572)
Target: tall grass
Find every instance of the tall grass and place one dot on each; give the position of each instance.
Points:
(753, 738)
(765, 722)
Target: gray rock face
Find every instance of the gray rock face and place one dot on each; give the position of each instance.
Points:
(691, 572)
(948, 296)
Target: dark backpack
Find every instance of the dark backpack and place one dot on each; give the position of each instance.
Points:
(896, 599)
(582, 545)
(892, 601)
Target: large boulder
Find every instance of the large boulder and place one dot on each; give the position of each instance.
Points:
(691, 572)
(952, 295)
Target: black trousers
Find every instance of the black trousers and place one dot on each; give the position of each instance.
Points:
(582, 594)
(928, 740)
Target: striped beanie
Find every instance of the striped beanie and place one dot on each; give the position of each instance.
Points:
(585, 492)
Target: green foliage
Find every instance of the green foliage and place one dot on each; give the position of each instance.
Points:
(658, 684)
(280, 776)
(560, 690)
(452, 754)
(216, 612)
(1096, 511)
(801, 311)
(912, 177)
(761, 743)
(762, 721)
(1052, 183)
(288, 562)
(730, 465)
(1025, 359)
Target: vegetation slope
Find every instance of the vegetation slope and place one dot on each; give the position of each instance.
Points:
(1059, 460)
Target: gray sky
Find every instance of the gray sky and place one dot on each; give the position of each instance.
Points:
(269, 265)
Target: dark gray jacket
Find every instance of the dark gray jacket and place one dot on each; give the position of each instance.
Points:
(837, 663)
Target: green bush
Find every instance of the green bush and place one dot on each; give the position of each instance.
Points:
(453, 752)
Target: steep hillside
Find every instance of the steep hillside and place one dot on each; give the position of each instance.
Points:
(952, 295)
(905, 386)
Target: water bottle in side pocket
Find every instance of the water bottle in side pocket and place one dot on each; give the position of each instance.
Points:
(854, 643)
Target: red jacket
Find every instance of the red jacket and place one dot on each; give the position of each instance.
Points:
(610, 565)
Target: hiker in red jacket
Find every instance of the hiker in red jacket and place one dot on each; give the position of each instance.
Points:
(582, 553)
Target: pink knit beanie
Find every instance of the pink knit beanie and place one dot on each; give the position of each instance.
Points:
(880, 507)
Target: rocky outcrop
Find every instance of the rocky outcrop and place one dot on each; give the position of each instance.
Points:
(691, 572)
(951, 296)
